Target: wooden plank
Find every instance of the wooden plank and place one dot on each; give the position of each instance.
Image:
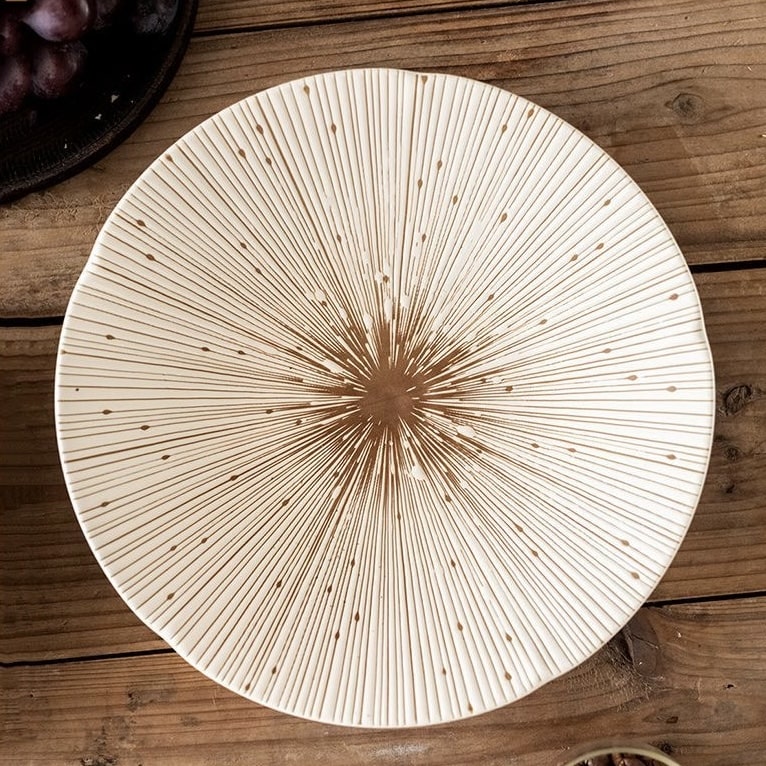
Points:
(690, 679)
(57, 602)
(731, 519)
(223, 15)
(672, 89)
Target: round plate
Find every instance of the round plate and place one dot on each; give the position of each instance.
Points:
(384, 397)
(46, 142)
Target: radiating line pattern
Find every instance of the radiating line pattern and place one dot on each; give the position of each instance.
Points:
(384, 398)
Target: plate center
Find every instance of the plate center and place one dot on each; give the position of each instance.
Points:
(390, 397)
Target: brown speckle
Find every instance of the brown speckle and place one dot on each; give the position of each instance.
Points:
(670, 456)
(422, 237)
(150, 257)
(356, 617)
(109, 337)
(306, 89)
(234, 477)
(241, 152)
(625, 543)
(509, 389)
(490, 297)
(274, 670)
(278, 584)
(106, 412)
(673, 297)
(454, 199)
(104, 504)
(337, 635)
(531, 113)
(503, 127)
(259, 128)
(507, 676)
(420, 183)
(672, 389)
(439, 165)
(632, 377)
(460, 626)
(444, 671)
(503, 217)
(205, 348)
(144, 428)
(635, 575)
(574, 257)
(600, 246)
(267, 160)
(333, 127)
(168, 158)
(508, 637)
(607, 202)
(165, 457)
(170, 596)
(140, 222)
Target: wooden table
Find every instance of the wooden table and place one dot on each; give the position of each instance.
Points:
(675, 91)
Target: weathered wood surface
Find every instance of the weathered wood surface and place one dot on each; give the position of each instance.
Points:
(58, 603)
(690, 679)
(674, 90)
(258, 14)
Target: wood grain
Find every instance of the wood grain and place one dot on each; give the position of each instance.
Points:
(58, 603)
(674, 91)
(690, 679)
(224, 15)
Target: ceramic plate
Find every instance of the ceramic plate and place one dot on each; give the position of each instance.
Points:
(384, 398)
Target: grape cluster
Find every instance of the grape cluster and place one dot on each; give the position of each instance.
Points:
(44, 43)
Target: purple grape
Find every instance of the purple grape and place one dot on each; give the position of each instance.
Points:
(59, 20)
(11, 33)
(15, 81)
(56, 66)
(153, 17)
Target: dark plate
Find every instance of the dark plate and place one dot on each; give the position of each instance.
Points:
(45, 142)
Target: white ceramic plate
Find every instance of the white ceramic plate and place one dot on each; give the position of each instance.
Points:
(384, 398)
